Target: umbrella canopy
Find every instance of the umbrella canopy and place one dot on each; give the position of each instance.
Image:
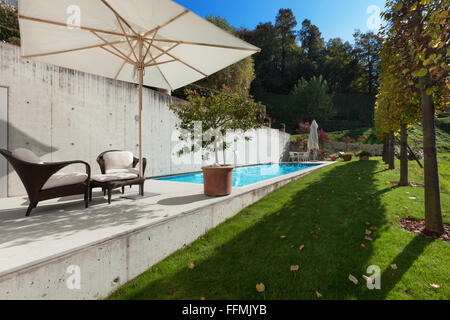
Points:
(182, 47)
(313, 139)
(156, 43)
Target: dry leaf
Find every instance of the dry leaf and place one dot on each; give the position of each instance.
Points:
(352, 279)
(166, 215)
(367, 223)
(295, 267)
(260, 287)
(373, 228)
(315, 237)
(394, 266)
(191, 265)
(368, 232)
(370, 280)
(435, 285)
(301, 247)
(202, 298)
(318, 294)
(368, 238)
(278, 214)
(282, 237)
(363, 245)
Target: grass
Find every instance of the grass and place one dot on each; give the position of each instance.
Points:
(326, 212)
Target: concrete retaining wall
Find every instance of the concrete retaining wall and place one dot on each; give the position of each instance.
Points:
(63, 114)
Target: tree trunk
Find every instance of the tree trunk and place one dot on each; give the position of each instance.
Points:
(433, 215)
(403, 156)
(391, 153)
(385, 149)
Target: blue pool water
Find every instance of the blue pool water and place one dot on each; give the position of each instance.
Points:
(247, 175)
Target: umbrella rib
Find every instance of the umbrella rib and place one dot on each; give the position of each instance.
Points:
(119, 16)
(162, 74)
(128, 40)
(183, 62)
(150, 45)
(161, 54)
(166, 23)
(208, 45)
(124, 63)
(124, 56)
(119, 56)
(68, 50)
(77, 27)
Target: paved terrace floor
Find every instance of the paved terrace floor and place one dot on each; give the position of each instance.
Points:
(58, 227)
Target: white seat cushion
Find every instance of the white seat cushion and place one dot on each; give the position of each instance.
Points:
(128, 170)
(26, 155)
(114, 177)
(118, 160)
(64, 179)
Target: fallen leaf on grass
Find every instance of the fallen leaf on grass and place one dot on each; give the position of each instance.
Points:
(368, 238)
(368, 232)
(301, 247)
(394, 266)
(407, 209)
(278, 214)
(202, 298)
(352, 279)
(435, 285)
(295, 267)
(191, 265)
(260, 287)
(368, 280)
(373, 228)
(282, 237)
(315, 237)
(362, 245)
(367, 223)
(318, 294)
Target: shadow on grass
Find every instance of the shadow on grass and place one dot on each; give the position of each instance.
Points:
(328, 212)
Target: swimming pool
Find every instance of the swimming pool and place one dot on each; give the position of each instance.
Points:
(244, 176)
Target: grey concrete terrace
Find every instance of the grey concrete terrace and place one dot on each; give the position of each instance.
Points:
(61, 232)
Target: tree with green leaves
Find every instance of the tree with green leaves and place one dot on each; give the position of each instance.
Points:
(285, 24)
(419, 34)
(367, 47)
(217, 114)
(312, 100)
(239, 76)
(9, 24)
(397, 107)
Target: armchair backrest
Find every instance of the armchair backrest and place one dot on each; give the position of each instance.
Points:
(117, 159)
(26, 164)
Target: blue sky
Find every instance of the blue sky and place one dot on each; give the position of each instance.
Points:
(335, 18)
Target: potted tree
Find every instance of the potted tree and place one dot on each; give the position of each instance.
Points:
(217, 115)
(363, 155)
(347, 156)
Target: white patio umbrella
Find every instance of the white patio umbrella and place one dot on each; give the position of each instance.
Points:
(313, 139)
(164, 44)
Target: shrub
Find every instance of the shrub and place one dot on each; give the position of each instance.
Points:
(348, 140)
(362, 139)
(323, 137)
(363, 153)
(304, 127)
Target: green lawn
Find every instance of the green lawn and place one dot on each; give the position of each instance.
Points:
(326, 212)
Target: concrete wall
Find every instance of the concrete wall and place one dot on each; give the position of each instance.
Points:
(62, 114)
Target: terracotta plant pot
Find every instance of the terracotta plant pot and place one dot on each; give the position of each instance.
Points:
(347, 157)
(364, 158)
(218, 181)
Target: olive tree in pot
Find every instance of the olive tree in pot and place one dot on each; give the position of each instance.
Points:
(204, 124)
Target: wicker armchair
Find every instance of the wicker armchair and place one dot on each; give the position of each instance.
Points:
(42, 180)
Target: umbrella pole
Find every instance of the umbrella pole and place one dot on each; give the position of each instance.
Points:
(140, 66)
